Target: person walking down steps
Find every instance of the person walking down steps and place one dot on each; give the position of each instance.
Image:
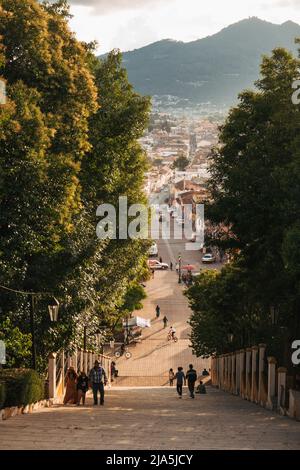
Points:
(171, 377)
(180, 381)
(157, 311)
(191, 377)
(98, 379)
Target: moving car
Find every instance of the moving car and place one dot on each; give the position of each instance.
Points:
(208, 258)
(153, 251)
(155, 264)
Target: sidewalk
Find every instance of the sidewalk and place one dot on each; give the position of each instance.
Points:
(153, 418)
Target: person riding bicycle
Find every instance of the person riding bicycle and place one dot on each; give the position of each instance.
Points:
(172, 332)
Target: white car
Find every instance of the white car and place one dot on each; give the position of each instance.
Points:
(208, 258)
(153, 251)
(154, 264)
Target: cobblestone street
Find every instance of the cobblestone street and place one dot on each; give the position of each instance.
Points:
(153, 418)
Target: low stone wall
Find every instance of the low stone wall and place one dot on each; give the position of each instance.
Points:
(7, 413)
(253, 376)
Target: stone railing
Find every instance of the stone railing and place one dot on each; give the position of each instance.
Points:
(255, 377)
(59, 363)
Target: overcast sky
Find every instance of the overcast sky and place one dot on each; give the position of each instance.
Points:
(129, 24)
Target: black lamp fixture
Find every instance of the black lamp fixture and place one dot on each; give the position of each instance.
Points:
(53, 309)
(274, 312)
(230, 337)
(98, 335)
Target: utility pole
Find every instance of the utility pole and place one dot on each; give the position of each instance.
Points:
(179, 268)
(32, 301)
(84, 338)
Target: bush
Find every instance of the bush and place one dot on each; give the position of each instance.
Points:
(23, 387)
(2, 394)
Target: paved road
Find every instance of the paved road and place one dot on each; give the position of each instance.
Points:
(169, 249)
(153, 418)
(152, 359)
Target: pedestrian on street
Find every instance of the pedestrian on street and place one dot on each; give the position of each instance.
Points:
(165, 320)
(157, 311)
(98, 379)
(180, 379)
(171, 377)
(171, 266)
(113, 371)
(160, 259)
(71, 388)
(191, 377)
(152, 273)
(82, 387)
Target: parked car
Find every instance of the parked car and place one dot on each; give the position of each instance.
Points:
(155, 264)
(153, 251)
(208, 258)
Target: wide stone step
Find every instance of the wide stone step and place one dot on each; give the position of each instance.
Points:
(141, 381)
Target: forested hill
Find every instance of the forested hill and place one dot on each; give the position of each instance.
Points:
(213, 69)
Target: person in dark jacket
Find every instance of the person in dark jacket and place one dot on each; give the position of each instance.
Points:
(82, 387)
(157, 311)
(180, 380)
(191, 377)
(98, 379)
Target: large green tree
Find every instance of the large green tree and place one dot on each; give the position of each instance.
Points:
(255, 193)
(68, 142)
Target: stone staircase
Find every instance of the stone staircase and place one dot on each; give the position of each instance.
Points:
(152, 358)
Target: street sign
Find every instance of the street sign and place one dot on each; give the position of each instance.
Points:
(2, 353)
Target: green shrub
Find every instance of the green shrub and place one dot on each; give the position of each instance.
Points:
(23, 387)
(2, 394)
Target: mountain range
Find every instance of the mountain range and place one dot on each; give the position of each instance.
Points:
(213, 69)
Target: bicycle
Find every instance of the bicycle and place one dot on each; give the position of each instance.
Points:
(172, 337)
(126, 353)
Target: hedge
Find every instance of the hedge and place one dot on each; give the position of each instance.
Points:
(22, 387)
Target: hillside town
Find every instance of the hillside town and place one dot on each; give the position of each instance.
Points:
(169, 139)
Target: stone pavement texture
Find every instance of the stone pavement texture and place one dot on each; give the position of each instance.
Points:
(152, 419)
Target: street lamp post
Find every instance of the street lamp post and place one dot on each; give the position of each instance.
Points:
(53, 309)
(32, 303)
(179, 270)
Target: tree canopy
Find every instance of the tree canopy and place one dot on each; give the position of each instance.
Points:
(255, 192)
(69, 142)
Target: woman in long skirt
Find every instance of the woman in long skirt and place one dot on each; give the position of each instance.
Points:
(71, 388)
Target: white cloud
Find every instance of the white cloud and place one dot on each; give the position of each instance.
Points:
(128, 24)
(108, 6)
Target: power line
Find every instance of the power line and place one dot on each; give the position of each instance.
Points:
(22, 292)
